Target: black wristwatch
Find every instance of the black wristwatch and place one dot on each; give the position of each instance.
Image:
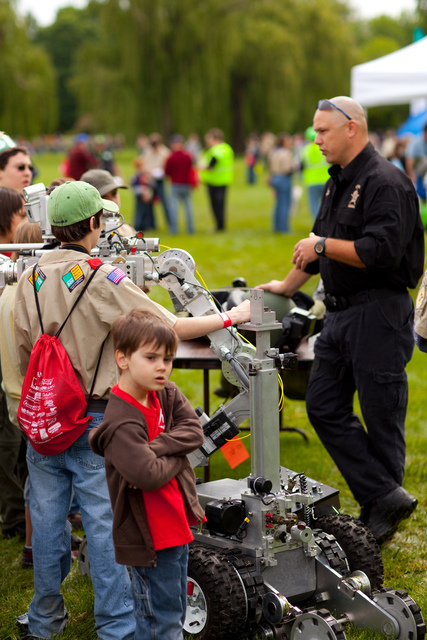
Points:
(319, 247)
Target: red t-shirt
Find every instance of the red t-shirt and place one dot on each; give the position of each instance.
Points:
(165, 507)
(80, 161)
(178, 167)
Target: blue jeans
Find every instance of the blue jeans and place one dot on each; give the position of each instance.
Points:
(282, 184)
(181, 192)
(159, 190)
(161, 596)
(315, 192)
(144, 215)
(52, 480)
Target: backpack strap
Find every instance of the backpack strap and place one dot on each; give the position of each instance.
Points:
(95, 269)
(97, 367)
(78, 299)
(37, 298)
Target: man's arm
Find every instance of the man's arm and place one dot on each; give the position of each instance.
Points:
(289, 286)
(335, 249)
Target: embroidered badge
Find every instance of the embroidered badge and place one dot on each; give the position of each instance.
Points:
(420, 297)
(40, 278)
(73, 278)
(116, 275)
(354, 197)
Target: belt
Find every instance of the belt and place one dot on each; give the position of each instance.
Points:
(96, 406)
(340, 303)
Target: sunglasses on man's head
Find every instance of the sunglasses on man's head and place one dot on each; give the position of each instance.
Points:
(22, 167)
(326, 105)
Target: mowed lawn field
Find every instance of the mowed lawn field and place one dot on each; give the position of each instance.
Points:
(249, 249)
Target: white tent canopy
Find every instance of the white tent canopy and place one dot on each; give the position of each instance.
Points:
(397, 78)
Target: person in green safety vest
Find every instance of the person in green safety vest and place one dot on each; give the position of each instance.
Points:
(314, 171)
(217, 172)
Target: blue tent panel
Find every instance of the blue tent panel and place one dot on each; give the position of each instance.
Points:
(414, 124)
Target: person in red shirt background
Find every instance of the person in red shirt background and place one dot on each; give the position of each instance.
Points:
(79, 158)
(179, 168)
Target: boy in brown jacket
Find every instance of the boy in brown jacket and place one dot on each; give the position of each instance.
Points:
(148, 428)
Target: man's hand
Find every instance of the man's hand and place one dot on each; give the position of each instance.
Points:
(275, 286)
(304, 252)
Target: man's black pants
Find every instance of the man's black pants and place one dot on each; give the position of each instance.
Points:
(364, 348)
(217, 198)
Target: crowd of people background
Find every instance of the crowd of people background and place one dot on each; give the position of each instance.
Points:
(165, 173)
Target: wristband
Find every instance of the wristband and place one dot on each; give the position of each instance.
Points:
(226, 319)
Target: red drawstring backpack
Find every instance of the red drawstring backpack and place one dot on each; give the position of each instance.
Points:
(52, 410)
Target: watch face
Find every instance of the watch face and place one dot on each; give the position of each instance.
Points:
(319, 248)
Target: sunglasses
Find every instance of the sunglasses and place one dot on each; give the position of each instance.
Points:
(325, 105)
(22, 167)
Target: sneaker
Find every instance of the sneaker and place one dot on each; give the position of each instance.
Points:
(27, 558)
(22, 621)
(388, 512)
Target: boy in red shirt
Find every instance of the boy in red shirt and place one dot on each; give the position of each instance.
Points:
(149, 428)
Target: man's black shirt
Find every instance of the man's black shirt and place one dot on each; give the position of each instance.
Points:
(373, 203)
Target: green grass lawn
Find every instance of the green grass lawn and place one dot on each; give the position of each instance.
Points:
(247, 248)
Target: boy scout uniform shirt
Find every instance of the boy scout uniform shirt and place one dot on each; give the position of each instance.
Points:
(59, 279)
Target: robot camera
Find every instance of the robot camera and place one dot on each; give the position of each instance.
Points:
(36, 199)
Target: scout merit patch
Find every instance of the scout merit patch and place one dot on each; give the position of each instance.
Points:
(420, 297)
(116, 275)
(73, 278)
(39, 277)
(354, 197)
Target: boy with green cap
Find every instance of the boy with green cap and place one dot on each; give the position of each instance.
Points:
(74, 212)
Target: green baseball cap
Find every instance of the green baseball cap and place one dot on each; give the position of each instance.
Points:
(72, 202)
(6, 142)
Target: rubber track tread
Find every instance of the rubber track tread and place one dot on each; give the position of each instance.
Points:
(223, 592)
(412, 606)
(358, 544)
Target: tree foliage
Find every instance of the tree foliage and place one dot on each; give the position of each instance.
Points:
(185, 65)
(134, 66)
(27, 100)
(422, 14)
(62, 41)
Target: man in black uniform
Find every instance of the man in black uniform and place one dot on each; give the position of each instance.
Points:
(368, 244)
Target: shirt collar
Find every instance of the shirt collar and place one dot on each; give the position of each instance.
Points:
(74, 247)
(349, 172)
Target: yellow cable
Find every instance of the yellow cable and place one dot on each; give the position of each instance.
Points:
(282, 393)
(236, 438)
(164, 246)
(245, 339)
(199, 275)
